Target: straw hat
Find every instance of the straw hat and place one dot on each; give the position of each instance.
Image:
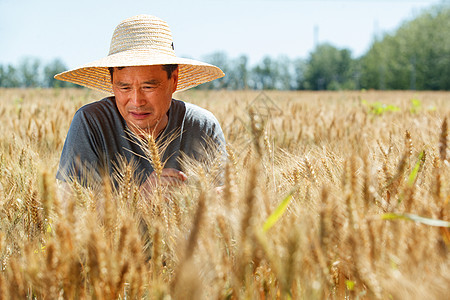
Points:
(140, 41)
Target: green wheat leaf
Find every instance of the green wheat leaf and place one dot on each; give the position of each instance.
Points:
(416, 218)
(415, 170)
(277, 213)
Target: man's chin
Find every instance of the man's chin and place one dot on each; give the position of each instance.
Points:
(140, 129)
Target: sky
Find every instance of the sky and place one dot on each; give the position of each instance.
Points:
(78, 32)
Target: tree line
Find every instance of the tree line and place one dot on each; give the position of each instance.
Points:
(32, 73)
(416, 56)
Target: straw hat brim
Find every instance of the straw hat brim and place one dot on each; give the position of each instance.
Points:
(95, 75)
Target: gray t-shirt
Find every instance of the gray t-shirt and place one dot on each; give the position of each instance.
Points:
(99, 139)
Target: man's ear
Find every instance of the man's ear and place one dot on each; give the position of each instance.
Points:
(111, 71)
(174, 79)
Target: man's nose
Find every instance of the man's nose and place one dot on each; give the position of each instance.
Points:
(137, 98)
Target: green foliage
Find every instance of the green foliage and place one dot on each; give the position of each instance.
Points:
(264, 74)
(9, 77)
(416, 56)
(277, 213)
(31, 73)
(378, 108)
(412, 177)
(416, 105)
(29, 69)
(50, 70)
(416, 219)
(329, 68)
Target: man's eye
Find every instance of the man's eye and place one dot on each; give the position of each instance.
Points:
(148, 87)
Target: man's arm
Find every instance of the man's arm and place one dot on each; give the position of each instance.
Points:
(80, 157)
(168, 177)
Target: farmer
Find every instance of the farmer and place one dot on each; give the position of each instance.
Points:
(142, 72)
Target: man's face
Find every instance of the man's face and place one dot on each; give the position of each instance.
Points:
(143, 96)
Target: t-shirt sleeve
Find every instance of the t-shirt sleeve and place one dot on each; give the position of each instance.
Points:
(213, 146)
(205, 135)
(215, 135)
(80, 156)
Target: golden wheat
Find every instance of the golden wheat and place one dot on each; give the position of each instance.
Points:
(365, 191)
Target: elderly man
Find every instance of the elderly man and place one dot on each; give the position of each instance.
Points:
(143, 72)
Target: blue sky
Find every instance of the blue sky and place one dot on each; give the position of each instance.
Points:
(79, 31)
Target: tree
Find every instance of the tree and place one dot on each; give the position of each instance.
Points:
(2, 75)
(240, 73)
(50, 70)
(29, 72)
(264, 74)
(329, 68)
(286, 74)
(415, 56)
(9, 77)
(299, 66)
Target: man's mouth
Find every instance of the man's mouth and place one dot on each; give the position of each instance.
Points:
(139, 115)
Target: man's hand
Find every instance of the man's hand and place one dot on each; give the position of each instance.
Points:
(169, 177)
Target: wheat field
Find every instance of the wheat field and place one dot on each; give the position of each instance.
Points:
(326, 195)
